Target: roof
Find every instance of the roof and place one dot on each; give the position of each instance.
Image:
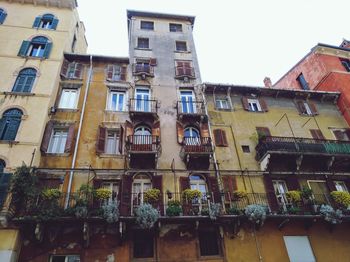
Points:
(131, 13)
(276, 92)
(52, 3)
(96, 58)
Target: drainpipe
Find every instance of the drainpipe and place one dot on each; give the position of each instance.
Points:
(71, 174)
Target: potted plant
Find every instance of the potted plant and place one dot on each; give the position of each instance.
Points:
(190, 197)
(256, 214)
(191, 194)
(102, 193)
(341, 198)
(146, 216)
(294, 197)
(151, 195)
(330, 215)
(174, 208)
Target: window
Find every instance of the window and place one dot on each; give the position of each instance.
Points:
(140, 185)
(184, 69)
(72, 70)
(197, 182)
(342, 134)
(144, 66)
(65, 258)
(299, 249)
(116, 101)
(302, 82)
(222, 104)
(69, 98)
(3, 15)
(245, 149)
(147, 25)
(142, 100)
(112, 142)
(74, 41)
(281, 189)
(114, 188)
(116, 73)
(346, 63)
(58, 141)
(9, 124)
(175, 27)
(38, 47)
(25, 80)
(188, 105)
(181, 46)
(47, 21)
(208, 243)
(316, 134)
(220, 137)
(307, 108)
(254, 105)
(191, 136)
(320, 192)
(143, 43)
(143, 244)
(340, 186)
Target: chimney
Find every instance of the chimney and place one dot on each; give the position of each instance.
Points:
(267, 82)
(345, 44)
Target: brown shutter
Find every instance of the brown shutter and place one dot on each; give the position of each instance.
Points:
(180, 132)
(78, 71)
(153, 62)
(301, 107)
(214, 189)
(121, 139)
(156, 130)
(230, 185)
(129, 129)
(316, 134)
(125, 195)
(184, 183)
(64, 69)
(110, 72)
(270, 191)
(101, 140)
(292, 182)
(263, 105)
(313, 108)
(47, 136)
(218, 137)
(330, 184)
(157, 183)
(70, 138)
(204, 130)
(245, 103)
(123, 73)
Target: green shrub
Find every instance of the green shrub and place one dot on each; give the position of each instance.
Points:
(341, 198)
(233, 211)
(173, 210)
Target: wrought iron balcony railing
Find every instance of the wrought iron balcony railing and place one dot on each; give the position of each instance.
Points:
(296, 145)
(139, 69)
(137, 105)
(142, 143)
(190, 108)
(197, 145)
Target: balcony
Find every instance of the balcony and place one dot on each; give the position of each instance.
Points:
(196, 152)
(328, 154)
(143, 150)
(190, 110)
(142, 70)
(182, 72)
(143, 108)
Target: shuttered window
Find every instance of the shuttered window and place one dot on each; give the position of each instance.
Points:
(72, 70)
(220, 137)
(3, 15)
(57, 139)
(316, 134)
(254, 104)
(47, 21)
(342, 134)
(25, 81)
(116, 73)
(38, 47)
(346, 63)
(306, 108)
(109, 141)
(184, 68)
(9, 124)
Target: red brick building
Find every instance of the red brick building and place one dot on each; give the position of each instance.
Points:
(325, 68)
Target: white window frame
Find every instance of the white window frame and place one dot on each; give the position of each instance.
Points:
(340, 186)
(58, 148)
(69, 91)
(117, 73)
(113, 186)
(111, 92)
(198, 185)
(281, 196)
(252, 102)
(116, 138)
(298, 254)
(221, 102)
(143, 180)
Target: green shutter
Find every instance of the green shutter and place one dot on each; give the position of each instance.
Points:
(37, 21)
(12, 128)
(2, 127)
(28, 84)
(4, 185)
(24, 48)
(2, 17)
(47, 50)
(54, 23)
(18, 87)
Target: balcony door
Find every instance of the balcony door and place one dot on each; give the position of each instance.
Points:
(142, 100)
(320, 191)
(197, 182)
(113, 187)
(140, 185)
(192, 137)
(187, 102)
(281, 189)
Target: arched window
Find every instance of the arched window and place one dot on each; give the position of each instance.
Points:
(192, 136)
(9, 124)
(140, 185)
(197, 182)
(39, 46)
(46, 21)
(25, 80)
(142, 135)
(3, 15)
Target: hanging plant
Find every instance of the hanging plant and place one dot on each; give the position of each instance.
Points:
(146, 216)
(190, 194)
(111, 212)
(341, 198)
(152, 195)
(256, 213)
(102, 193)
(294, 196)
(330, 215)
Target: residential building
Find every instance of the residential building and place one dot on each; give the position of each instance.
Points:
(34, 35)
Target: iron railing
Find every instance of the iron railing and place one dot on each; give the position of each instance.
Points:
(139, 69)
(143, 143)
(193, 145)
(190, 108)
(301, 145)
(143, 105)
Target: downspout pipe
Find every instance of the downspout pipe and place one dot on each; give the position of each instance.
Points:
(71, 173)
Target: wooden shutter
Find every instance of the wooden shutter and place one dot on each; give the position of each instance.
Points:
(292, 182)
(70, 139)
(245, 103)
(230, 185)
(47, 50)
(121, 139)
(180, 132)
(47, 136)
(220, 137)
(28, 84)
(263, 105)
(101, 140)
(156, 130)
(125, 195)
(2, 17)
(179, 68)
(24, 48)
(54, 24)
(64, 69)
(12, 128)
(153, 62)
(4, 185)
(184, 183)
(78, 71)
(263, 131)
(301, 107)
(214, 189)
(110, 70)
(2, 127)
(313, 108)
(270, 191)
(157, 183)
(316, 134)
(330, 184)
(37, 21)
(123, 73)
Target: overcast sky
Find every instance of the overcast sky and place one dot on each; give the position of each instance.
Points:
(237, 42)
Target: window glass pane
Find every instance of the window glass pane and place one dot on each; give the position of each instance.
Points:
(299, 249)
(58, 141)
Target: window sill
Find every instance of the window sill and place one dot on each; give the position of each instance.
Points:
(56, 154)
(182, 52)
(115, 112)
(10, 142)
(67, 110)
(45, 29)
(215, 257)
(18, 94)
(34, 57)
(224, 109)
(104, 155)
(143, 49)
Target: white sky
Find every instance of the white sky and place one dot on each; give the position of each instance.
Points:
(237, 42)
